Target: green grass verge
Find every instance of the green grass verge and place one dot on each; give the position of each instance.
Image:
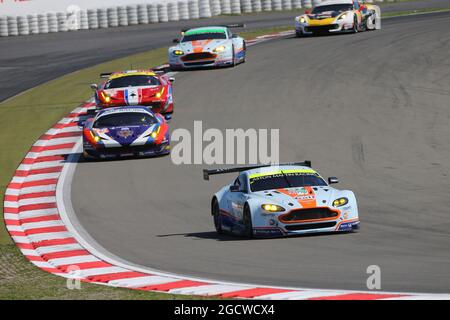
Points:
(23, 119)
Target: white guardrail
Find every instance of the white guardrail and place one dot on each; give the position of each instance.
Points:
(75, 18)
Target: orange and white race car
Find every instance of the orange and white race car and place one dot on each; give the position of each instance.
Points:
(337, 16)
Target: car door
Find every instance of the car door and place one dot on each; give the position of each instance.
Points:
(237, 198)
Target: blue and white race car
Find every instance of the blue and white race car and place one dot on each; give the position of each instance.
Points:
(125, 131)
(214, 46)
(289, 199)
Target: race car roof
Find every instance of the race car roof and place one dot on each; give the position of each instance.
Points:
(211, 29)
(135, 109)
(127, 73)
(268, 171)
(328, 2)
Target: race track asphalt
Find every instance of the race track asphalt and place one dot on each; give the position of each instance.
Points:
(371, 108)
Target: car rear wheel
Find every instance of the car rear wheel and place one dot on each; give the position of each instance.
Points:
(248, 225)
(215, 211)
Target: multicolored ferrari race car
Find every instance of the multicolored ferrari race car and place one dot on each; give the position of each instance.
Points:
(214, 46)
(124, 132)
(336, 16)
(135, 87)
(289, 199)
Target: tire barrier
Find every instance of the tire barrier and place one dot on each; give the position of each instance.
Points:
(162, 12)
(256, 6)
(152, 10)
(172, 11)
(204, 9)
(215, 7)
(183, 10)
(277, 5)
(306, 3)
(84, 23)
(316, 2)
(3, 26)
(42, 23)
(266, 5)
(52, 22)
(235, 6)
(102, 15)
(296, 4)
(123, 16)
(225, 6)
(22, 26)
(246, 6)
(132, 15)
(92, 19)
(13, 29)
(286, 4)
(193, 9)
(142, 14)
(61, 17)
(113, 17)
(32, 24)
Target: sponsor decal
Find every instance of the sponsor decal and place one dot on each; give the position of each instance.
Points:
(125, 133)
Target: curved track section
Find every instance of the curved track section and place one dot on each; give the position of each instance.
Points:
(371, 108)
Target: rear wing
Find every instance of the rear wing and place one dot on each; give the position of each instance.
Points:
(234, 25)
(105, 75)
(210, 172)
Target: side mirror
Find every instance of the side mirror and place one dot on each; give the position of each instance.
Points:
(94, 86)
(176, 40)
(172, 79)
(234, 188)
(333, 180)
(307, 11)
(168, 117)
(234, 36)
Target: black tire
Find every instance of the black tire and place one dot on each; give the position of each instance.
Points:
(355, 24)
(215, 211)
(233, 64)
(373, 17)
(248, 225)
(245, 53)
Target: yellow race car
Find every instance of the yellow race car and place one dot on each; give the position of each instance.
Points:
(337, 16)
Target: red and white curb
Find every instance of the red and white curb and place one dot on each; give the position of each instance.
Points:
(36, 218)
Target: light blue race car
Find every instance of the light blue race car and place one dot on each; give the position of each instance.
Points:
(214, 46)
(274, 201)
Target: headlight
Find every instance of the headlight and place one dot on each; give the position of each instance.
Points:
(272, 208)
(302, 20)
(340, 202)
(219, 49)
(105, 97)
(342, 16)
(159, 94)
(178, 52)
(154, 134)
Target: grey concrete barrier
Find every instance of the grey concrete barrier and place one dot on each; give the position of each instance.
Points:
(235, 6)
(102, 14)
(287, 4)
(256, 6)
(204, 9)
(183, 10)
(162, 12)
(277, 5)
(61, 17)
(84, 23)
(32, 24)
(306, 3)
(22, 25)
(113, 17)
(172, 11)
(92, 19)
(3, 26)
(123, 16)
(266, 5)
(193, 9)
(225, 6)
(52, 22)
(43, 23)
(246, 6)
(152, 10)
(215, 7)
(142, 14)
(296, 4)
(132, 15)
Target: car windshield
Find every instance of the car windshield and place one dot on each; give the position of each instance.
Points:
(204, 36)
(286, 180)
(333, 7)
(132, 81)
(124, 119)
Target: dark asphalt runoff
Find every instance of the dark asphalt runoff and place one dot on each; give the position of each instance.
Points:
(371, 108)
(27, 61)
